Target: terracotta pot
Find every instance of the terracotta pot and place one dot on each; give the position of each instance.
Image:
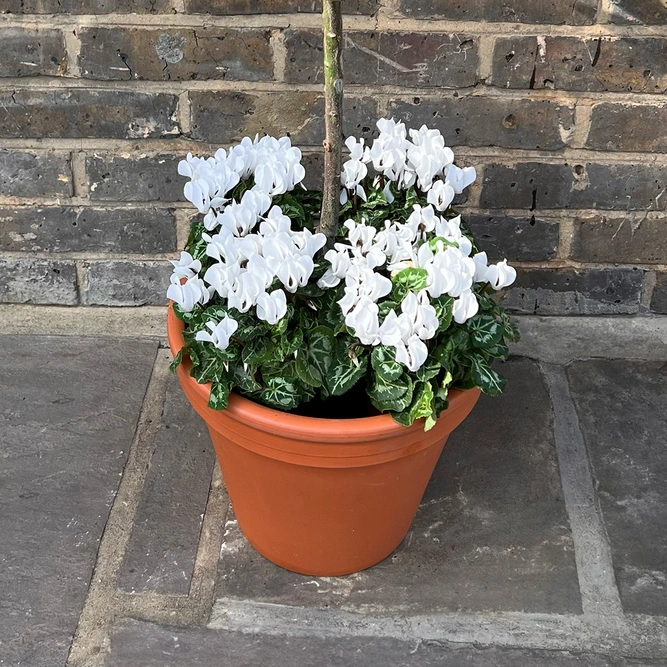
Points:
(321, 497)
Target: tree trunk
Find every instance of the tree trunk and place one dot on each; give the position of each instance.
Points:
(333, 117)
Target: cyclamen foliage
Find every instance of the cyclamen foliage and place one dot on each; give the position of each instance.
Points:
(402, 302)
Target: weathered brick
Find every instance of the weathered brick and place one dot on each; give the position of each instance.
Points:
(125, 283)
(38, 281)
(484, 121)
(222, 116)
(78, 114)
(31, 52)
(576, 292)
(70, 229)
(519, 239)
(140, 178)
(571, 63)
(313, 163)
(659, 297)
(632, 239)
(639, 11)
(535, 185)
(275, 6)
(628, 127)
(24, 174)
(397, 58)
(201, 53)
(86, 6)
(575, 12)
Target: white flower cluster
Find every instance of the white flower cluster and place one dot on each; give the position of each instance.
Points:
(274, 163)
(248, 257)
(423, 160)
(445, 258)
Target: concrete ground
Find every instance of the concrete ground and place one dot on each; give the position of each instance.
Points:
(541, 539)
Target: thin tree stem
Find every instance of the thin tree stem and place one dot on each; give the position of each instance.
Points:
(333, 117)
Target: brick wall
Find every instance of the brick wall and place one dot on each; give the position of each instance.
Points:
(558, 103)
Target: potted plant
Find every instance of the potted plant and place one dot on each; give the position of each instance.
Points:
(331, 361)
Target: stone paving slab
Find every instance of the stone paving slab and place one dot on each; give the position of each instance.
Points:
(161, 553)
(68, 411)
(492, 532)
(139, 644)
(622, 408)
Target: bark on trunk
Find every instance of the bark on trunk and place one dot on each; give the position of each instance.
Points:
(333, 117)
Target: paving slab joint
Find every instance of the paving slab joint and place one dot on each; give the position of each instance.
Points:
(99, 611)
(597, 584)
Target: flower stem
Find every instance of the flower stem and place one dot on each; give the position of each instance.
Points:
(333, 117)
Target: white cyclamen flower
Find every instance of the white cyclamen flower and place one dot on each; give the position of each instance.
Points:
(186, 266)
(450, 230)
(188, 294)
(422, 221)
(244, 292)
(272, 307)
(353, 173)
(221, 276)
(428, 155)
(340, 264)
(465, 307)
(363, 319)
(440, 195)
(421, 314)
(501, 275)
(459, 179)
(220, 333)
(293, 272)
(481, 267)
(412, 353)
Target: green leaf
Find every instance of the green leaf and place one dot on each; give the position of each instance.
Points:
(344, 374)
(408, 280)
(422, 403)
(244, 378)
(176, 360)
(249, 328)
(381, 391)
(511, 329)
(209, 369)
(397, 404)
(281, 392)
(291, 207)
(259, 351)
(443, 309)
(306, 372)
(219, 395)
(443, 386)
(330, 314)
(499, 351)
(433, 243)
(402, 417)
(485, 331)
(280, 328)
(430, 421)
(384, 307)
(290, 342)
(429, 369)
(486, 378)
(321, 349)
(421, 407)
(384, 363)
(309, 291)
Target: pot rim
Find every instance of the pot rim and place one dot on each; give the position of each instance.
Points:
(267, 419)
